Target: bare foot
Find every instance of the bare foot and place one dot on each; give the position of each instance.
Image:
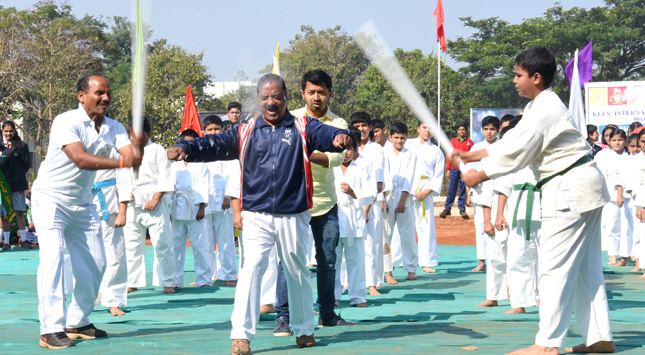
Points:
(230, 283)
(537, 303)
(411, 276)
(169, 290)
(116, 311)
(612, 260)
(99, 298)
(428, 270)
(267, 309)
(518, 310)
(313, 265)
(373, 291)
(632, 258)
(599, 347)
(642, 276)
(206, 285)
(622, 262)
(132, 289)
(192, 284)
(535, 350)
(481, 266)
(390, 279)
(488, 303)
(360, 305)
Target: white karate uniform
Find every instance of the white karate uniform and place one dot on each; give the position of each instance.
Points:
(224, 183)
(617, 222)
(153, 176)
(569, 256)
(352, 226)
(401, 174)
(428, 174)
(65, 216)
(521, 254)
(114, 284)
(637, 186)
(191, 189)
(481, 238)
(373, 153)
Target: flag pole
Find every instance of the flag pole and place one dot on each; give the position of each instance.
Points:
(439, 88)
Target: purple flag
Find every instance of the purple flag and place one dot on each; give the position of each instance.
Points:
(585, 65)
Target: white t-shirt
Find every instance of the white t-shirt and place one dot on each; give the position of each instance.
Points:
(59, 179)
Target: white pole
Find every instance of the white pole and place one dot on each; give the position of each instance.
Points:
(439, 88)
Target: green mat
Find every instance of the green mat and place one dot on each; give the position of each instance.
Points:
(434, 314)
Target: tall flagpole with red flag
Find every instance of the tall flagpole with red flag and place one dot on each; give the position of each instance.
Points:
(191, 117)
(441, 44)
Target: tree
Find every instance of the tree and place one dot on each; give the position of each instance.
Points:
(331, 50)
(617, 31)
(170, 70)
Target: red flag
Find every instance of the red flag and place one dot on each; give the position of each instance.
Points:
(191, 118)
(441, 37)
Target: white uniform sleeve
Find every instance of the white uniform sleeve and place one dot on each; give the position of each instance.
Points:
(63, 133)
(511, 154)
(436, 179)
(124, 184)
(200, 183)
(233, 185)
(408, 174)
(165, 177)
(366, 192)
(122, 136)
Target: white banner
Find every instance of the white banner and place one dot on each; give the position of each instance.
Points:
(615, 102)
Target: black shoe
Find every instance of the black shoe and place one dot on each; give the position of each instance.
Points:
(87, 332)
(333, 322)
(463, 214)
(282, 328)
(444, 213)
(6, 246)
(26, 245)
(55, 341)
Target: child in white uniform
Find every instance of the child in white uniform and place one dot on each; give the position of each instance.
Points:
(616, 216)
(219, 216)
(188, 212)
(355, 190)
(401, 163)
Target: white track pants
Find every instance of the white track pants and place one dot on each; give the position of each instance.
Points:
(270, 279)
(571, 279)
(114, 287)
(426, 233)
(261, 232)
(78, 228)
(481, 238)
(222, 234)
(355, 261)
(202, 254)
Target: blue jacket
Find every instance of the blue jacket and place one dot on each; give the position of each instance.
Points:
(276, 175)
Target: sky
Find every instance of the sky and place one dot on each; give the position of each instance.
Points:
(243, 34)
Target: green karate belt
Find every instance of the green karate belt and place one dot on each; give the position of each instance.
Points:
(533, 188)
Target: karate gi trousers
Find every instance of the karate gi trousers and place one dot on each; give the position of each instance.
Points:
(158, 224)
(570, 278)
(426, 233)
(354, 256)
(481, 238)
(619, 227)
(496, 266)
(261, 233)
(79, 229)
(403, 223)
(202, 254)
(374, 247)
(222, 234)
(521, 269)
(114, 288)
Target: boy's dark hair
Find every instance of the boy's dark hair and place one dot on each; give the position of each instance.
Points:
(226, 125)
(271, 77)
(360, 117)
(591, 129)
(634, 125)
(234, 104)
(316, 77)
(506, 118)
(378, 123)
(398, 127)
(188, 133)
(355, 134)
(462, 125)
(213, 119)
(538, 60)
(146, 125)
(511, 124)
(491, 120)
(607, 127)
